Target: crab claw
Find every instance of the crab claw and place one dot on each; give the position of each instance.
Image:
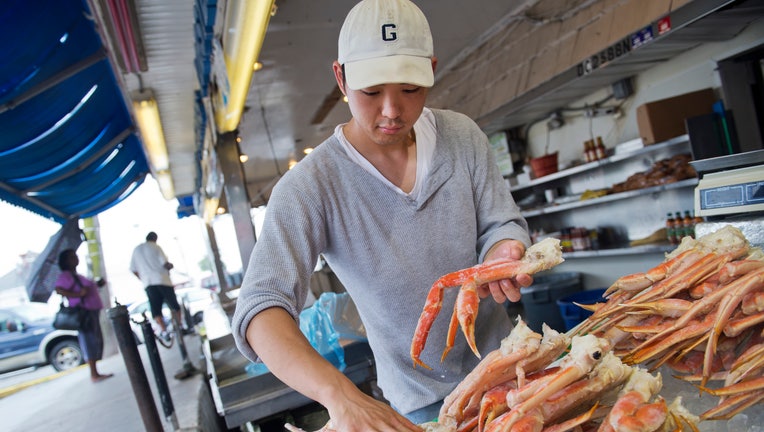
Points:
(466, 311)
(493, 403)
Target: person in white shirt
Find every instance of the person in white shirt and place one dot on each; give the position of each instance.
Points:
(150, 265)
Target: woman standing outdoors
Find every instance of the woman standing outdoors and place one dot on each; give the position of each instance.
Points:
(83, 292)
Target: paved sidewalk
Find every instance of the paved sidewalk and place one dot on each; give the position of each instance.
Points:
(70, 402)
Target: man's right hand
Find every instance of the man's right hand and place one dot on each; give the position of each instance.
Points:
(358, 412)
(276, 338)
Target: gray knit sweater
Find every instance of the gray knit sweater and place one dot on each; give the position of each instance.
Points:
(387, 250)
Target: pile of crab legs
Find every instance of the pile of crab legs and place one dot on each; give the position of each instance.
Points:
(700, 313)
(525, 385)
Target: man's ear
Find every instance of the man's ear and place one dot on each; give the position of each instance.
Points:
(339, 76)
(434, 63)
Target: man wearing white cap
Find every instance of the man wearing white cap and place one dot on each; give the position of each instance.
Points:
(397, 197)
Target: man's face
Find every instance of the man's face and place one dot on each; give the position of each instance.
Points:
(385, 114)
(382, 114)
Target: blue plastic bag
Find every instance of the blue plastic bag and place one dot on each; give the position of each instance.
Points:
(343, 314)
(316, 325)
(331, 318)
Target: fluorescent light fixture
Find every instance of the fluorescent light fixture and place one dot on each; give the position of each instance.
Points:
(164, 179)
(210, 209)
(150, 126)
(243, 35)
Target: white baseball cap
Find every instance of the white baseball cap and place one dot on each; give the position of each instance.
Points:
(386, 42)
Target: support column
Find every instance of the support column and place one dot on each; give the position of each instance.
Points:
(236, 194)
(214, 252)
(91, 228)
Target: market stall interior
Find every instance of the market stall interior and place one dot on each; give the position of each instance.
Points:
(621, 127)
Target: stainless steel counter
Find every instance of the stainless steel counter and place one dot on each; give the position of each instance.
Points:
(241, 398)
(751, 420)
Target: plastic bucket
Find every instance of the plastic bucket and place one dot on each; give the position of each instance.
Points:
(539, 299)
(573, 314)
(544, 165)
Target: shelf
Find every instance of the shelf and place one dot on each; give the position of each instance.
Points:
(554, 208)
(637, 250)
(683, 139)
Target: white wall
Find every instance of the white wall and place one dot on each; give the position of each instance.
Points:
(690, 71)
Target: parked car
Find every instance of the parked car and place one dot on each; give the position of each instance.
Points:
(195, 301)
(27, 338)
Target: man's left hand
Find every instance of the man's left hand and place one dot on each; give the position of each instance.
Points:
(506, 289)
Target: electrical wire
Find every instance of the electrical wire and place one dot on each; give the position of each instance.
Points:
(270, 140)
(267, 128)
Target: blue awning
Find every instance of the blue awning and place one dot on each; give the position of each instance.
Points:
(68, 146)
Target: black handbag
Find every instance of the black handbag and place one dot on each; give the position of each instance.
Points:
(69, 317)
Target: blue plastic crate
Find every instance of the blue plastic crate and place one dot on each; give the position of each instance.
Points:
(539, 299)
(573, 314)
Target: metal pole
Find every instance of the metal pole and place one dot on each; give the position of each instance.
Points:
(159, 376)
(188, 368)
(135, 371)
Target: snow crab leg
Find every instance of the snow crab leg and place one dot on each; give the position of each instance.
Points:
(540, 256)
(522, 352)
(585, 354)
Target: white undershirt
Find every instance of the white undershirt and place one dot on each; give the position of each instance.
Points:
(424, 128)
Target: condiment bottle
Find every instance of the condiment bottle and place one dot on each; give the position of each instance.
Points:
(594, 240)
(565, 241)
(600, 149)
(577, 239)
(689, 224)
(697, 219)
(587, 152)
(679, 228)
(670, 232)
(592, 151)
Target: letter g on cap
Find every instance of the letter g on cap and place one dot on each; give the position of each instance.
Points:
(388, 32)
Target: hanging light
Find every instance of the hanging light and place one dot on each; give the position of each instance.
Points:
(150, 126)
(243, 35)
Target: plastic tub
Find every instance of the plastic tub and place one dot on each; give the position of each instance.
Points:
(544, 165)
(573, 314)
(539, 299)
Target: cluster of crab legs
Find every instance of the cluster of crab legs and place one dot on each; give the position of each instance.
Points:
(522, 386)
(514, 387)
(700, 312)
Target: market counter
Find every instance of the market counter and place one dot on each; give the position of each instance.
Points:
(241, 397)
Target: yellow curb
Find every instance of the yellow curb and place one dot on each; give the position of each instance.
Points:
(18, 387)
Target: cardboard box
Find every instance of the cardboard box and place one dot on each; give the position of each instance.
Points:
(663, 119)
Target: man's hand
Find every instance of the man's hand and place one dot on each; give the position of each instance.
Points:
(280, 344)
(506, 289)
(356, 412)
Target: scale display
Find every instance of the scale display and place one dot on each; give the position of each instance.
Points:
(733, 191)
(735, 195)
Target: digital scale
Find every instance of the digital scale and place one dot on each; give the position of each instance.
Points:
(731, 184)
